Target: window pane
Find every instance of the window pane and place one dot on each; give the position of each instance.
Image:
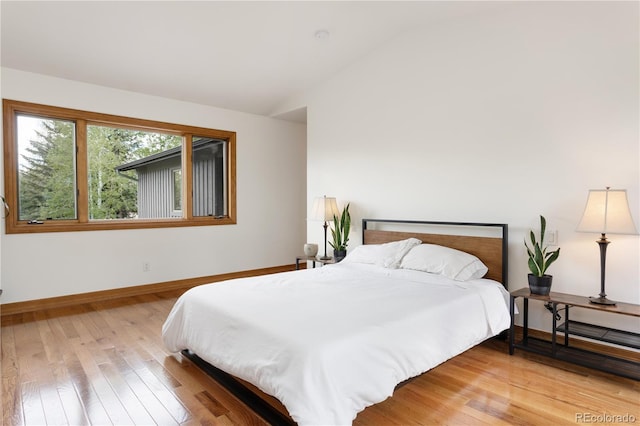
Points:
(46, 168)
(209, 177)
(130, 173)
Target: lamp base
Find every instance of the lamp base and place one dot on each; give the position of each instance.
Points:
(324, 257)
(601, 300)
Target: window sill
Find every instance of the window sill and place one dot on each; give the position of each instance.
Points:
(23, 227)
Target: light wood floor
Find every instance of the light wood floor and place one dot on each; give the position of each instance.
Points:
(104, 363)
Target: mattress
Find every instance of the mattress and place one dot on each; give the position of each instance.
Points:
(330, 341)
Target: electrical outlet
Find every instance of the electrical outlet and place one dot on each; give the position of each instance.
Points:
(551, 238)
(146, 266)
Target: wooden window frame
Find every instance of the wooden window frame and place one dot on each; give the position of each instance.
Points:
(12, 108)
(175, 211)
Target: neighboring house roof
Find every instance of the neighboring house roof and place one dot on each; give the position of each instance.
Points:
(161, 156)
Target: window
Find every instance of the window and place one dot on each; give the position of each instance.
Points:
(209, 173)
(129, 172)
(70, 170)
(176, 195)
(46, 164)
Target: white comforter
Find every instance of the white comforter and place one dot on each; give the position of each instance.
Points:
(328, 342)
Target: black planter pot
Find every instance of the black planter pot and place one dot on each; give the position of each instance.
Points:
(338, 255)
(540, 285)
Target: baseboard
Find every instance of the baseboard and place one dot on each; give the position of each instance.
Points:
(99, 296)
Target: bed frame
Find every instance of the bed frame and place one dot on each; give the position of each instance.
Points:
(492, 251)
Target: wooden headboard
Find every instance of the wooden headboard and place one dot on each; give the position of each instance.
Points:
(492, 251)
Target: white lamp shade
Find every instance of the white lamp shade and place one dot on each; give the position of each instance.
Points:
(607, 212)
(324, 208)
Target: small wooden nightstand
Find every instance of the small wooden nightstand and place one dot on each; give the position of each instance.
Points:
(564, 351)
(313, 260)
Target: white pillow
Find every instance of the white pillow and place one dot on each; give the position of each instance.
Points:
(387, 255)
(451, 263)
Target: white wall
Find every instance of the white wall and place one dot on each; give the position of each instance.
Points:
(494, 118)
(271, 204)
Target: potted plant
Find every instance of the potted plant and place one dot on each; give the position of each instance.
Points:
(340, 234)
(540, 258)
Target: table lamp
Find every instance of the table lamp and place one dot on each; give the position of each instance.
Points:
(607, 212)
(324, 208)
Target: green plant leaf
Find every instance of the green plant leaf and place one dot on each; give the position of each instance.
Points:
(553, 257)
(534, 268)
(538, 255)
(529, 252)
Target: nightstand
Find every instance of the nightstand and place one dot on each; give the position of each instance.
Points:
(313, 260)
(562, 350)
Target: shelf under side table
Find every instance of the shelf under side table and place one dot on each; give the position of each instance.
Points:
(619, 366)
(604, 334)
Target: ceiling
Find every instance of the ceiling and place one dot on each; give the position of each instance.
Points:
(245, 56)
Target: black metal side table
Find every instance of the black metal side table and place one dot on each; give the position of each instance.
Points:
(563, 351)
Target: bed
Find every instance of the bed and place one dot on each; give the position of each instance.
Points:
(328, 342)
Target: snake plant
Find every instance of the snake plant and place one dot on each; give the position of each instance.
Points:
(540, 258)
(341, 229)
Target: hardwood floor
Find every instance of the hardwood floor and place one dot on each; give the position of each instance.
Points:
(104, 363)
